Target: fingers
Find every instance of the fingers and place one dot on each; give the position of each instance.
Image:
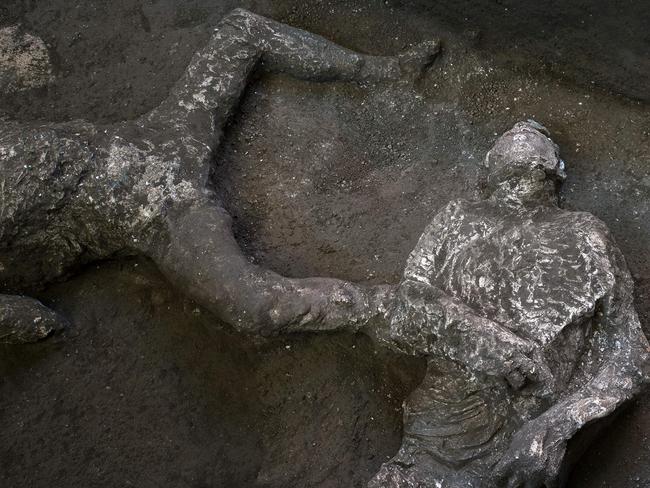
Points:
(518, 369)
(529, 368)
(512, 474)
(515, 481)
(515, 379)
(543, 373)
(533, 369)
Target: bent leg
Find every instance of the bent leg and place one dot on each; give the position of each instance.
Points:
(203, 99)
(454, 427)
(198, 253)
(24, 319)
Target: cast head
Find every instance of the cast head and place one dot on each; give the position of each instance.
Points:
(525, 164)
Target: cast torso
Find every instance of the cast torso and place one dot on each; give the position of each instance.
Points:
(41, 169)
(534, 270)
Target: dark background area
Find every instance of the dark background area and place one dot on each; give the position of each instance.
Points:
(147, 390)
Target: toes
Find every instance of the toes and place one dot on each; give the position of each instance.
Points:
(416, 60)
(426, 52)
(432, 47)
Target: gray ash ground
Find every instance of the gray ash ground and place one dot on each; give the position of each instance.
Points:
(322, 179)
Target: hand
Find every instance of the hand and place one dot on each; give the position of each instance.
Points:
(528, 365)
(328, 304)
(532, 460)
(500, 352)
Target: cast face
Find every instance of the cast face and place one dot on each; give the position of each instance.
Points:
(524, 153)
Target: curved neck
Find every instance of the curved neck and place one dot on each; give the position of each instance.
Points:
(527, 191)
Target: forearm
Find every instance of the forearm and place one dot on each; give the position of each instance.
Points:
(252, 298)
(611, 373)
(620, 377)
(201, 256)
(480, 343)
(425, 320)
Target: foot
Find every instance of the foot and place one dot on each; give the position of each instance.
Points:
(409, 64)
(24, 320)
(418, 58)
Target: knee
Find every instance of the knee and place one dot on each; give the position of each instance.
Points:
(241, 25)
(242, 18)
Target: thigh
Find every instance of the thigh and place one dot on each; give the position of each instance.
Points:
(454, 416)
(455, 427)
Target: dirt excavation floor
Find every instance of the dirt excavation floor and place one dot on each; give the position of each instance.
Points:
(147, 390)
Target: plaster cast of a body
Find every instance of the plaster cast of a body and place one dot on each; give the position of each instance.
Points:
(523, 310)
(489, 280)
(76, 192)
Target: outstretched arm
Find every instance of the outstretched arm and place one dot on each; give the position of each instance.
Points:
(423, 320)
(199, 255)
(537, 449)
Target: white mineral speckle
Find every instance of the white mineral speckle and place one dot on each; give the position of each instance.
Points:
(24, 61)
